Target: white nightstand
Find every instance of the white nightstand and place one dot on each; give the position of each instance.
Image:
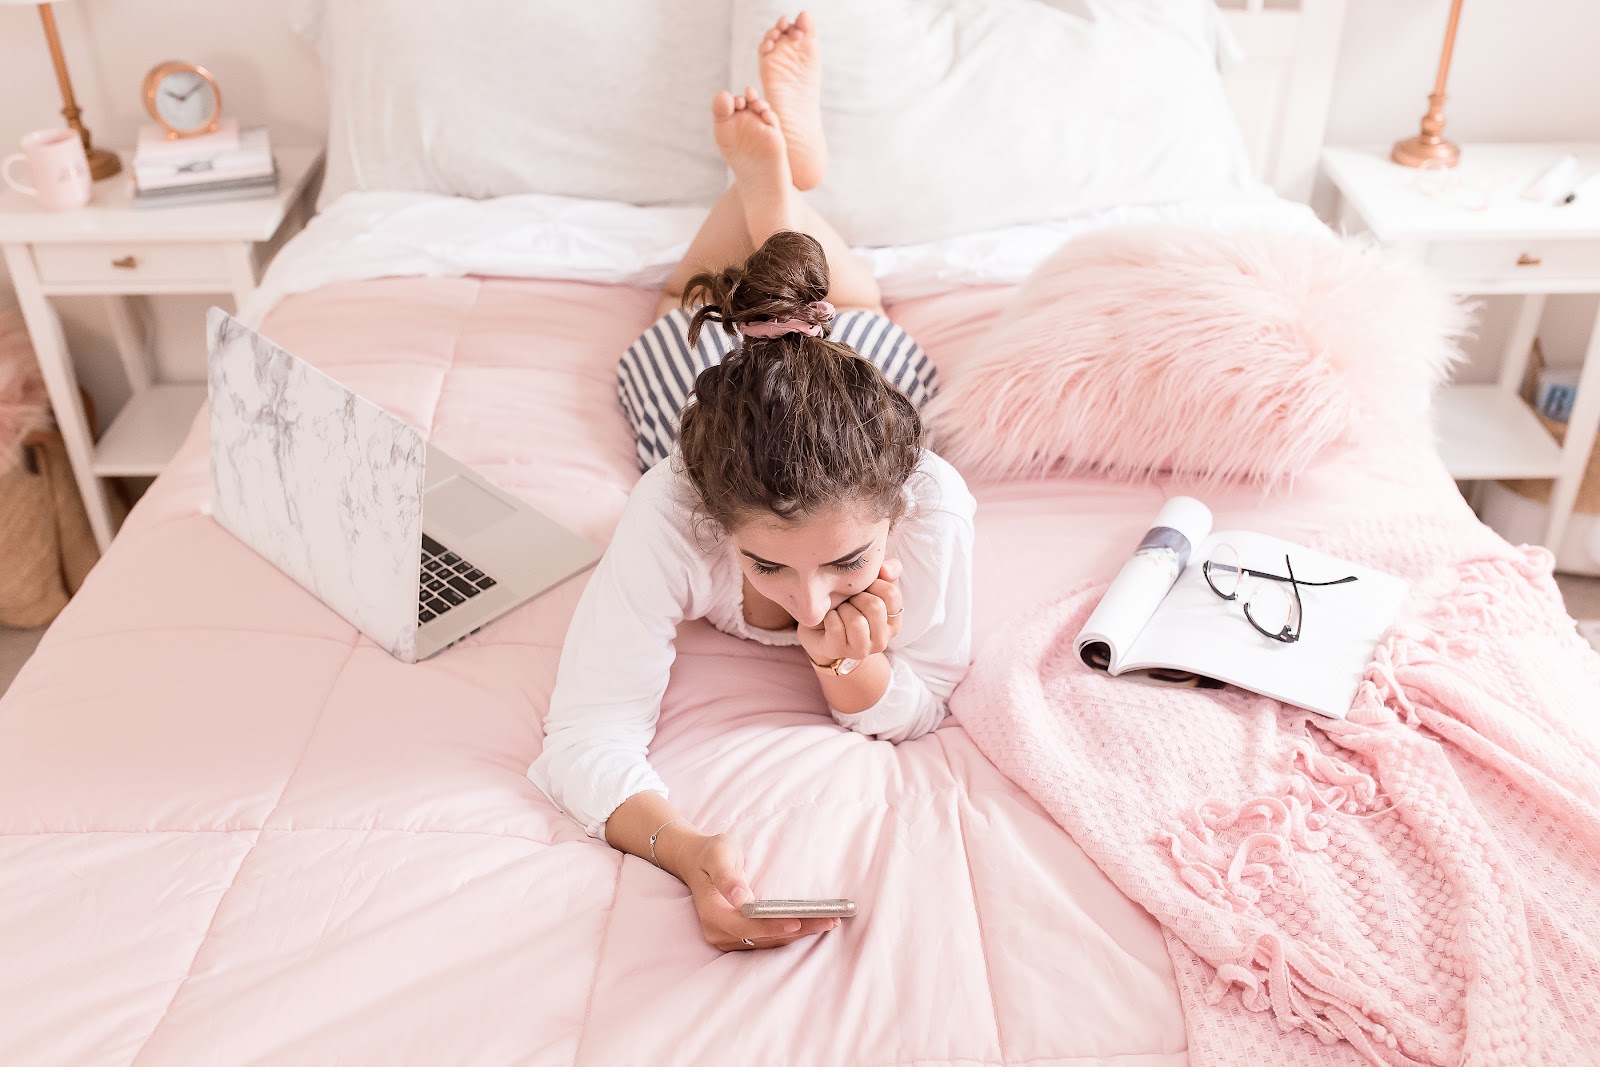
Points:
(1509, 246)
(112, 249)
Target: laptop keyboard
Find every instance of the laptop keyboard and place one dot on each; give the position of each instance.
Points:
(447, 581)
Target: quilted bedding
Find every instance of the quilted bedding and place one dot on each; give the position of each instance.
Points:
(233, 830)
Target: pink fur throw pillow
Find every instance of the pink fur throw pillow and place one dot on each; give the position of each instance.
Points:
(1222, 356)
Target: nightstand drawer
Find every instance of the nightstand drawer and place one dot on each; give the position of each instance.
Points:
(1544, 258)
(128, 262)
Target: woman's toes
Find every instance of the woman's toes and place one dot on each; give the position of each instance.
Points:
(790, 61)
(722, 105)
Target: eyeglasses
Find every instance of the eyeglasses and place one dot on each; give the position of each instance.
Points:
(1274, 612)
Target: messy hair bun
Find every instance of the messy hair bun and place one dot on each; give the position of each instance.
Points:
(781, 280)
(791, 424)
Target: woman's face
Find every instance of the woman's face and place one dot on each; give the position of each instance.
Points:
(810, 566)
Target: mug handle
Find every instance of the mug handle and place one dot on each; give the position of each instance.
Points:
(5, 172)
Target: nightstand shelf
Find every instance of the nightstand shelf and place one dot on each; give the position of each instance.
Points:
(1499, 245)
(1486, 433)
(148, 430)
(112, 249)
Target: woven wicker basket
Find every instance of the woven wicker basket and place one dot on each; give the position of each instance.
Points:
(32, 589)
(46, 543)
(1538, 489)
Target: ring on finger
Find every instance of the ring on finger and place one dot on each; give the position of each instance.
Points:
(896, 614)
(748, 942)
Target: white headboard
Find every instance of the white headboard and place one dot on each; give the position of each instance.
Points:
(1280, 92)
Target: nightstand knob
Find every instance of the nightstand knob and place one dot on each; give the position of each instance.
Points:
(1526, 260)
(129, 262)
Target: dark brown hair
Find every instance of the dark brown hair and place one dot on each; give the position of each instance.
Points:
(787, 425)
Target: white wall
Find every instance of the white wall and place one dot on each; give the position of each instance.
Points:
(1522, 72)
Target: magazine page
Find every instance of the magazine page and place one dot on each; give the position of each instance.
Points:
(1339, 624)
(1161, 556)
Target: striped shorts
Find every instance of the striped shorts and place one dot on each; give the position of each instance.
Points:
(656, 375)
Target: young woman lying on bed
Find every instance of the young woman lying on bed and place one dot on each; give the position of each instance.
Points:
(798, 507)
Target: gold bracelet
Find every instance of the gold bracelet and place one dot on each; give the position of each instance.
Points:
(657, 834)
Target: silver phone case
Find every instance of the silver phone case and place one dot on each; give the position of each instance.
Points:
(798, 909)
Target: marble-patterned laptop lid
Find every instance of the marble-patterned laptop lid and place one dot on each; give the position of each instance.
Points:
(324, 484)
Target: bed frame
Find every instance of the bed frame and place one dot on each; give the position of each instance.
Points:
(1280, 93)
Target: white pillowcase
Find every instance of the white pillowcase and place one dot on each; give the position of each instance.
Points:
(943, 117)
(490, 97)
(952, 116)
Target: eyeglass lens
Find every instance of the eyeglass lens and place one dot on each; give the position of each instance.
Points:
(1271, 607)
(1222, 571)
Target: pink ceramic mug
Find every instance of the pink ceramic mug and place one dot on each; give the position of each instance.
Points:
(58, 166)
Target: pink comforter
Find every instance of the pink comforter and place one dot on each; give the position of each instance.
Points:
(233, 830)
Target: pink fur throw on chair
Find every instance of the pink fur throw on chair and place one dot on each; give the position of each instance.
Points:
(1222, 356)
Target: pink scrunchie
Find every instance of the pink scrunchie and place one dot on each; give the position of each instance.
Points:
(779, 327)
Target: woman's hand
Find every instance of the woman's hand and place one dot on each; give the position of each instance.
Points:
(860, 627)
(713, 869)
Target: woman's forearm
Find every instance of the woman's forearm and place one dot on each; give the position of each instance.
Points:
(641, 815)
(860, 689)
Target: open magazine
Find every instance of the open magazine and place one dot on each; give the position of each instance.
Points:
(1168, 611)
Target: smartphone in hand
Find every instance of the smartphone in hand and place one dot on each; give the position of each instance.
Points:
(798, 909)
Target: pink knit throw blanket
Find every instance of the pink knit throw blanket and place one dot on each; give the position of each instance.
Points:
(1419, 884)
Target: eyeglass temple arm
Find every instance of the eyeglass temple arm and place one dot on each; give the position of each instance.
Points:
(1299, 608)
(1296, 581)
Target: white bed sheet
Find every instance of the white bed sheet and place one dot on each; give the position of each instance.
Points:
(385, 234)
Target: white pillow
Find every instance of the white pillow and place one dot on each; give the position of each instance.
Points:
(952, 116)
(490, 97)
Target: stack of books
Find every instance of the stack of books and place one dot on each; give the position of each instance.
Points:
(231, 164)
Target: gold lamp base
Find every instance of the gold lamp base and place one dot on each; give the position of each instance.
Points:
(1429, 146)
(103, 164)
(1422, 149)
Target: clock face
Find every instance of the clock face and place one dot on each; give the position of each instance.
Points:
(185, 101)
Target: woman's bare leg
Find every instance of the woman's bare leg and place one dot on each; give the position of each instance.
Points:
(763, 198)
(770, 207)
(722, 241)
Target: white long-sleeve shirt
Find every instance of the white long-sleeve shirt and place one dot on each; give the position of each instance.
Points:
(662, 568)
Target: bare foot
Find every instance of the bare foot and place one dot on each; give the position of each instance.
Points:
(791, 76)
(747, 132)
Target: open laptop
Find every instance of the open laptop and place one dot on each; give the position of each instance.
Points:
(413, 548)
